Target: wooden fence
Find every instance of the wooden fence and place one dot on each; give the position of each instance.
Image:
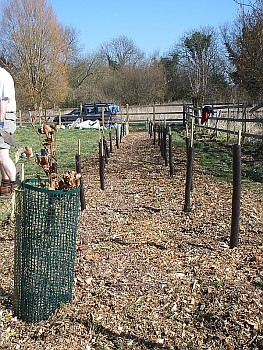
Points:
(228, 118)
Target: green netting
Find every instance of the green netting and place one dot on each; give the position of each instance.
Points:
(45, 246)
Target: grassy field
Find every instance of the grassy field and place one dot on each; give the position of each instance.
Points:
(216, 155)
(67, 143)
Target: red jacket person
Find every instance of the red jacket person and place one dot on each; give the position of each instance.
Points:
(206, 112)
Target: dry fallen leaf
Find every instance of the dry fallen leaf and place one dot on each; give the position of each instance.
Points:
(91, 257)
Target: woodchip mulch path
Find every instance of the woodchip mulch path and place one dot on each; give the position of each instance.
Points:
(147, 274)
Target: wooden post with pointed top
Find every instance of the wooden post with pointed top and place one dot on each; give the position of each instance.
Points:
(236, 195)
(189, 170)
(78, 170)
(165, 145)
(171, 152)
(101, 163)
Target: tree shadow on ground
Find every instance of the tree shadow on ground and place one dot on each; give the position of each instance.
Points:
(119, 338)
(6, 298)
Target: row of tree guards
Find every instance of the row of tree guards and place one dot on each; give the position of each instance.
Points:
(104, 150)
(159, 133)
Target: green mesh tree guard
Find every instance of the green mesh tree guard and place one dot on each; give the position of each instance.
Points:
(45, 247)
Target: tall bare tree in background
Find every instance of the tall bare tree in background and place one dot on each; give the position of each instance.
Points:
(38, 48)
(120, 52)
(244, 43)
(198, 55)
(118, 72)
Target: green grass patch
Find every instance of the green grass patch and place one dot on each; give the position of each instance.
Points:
(137, 126)
(178, 139)
(5, 210)
(216, 157)
(67, 142)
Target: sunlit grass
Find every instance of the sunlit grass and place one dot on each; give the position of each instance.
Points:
(67, 142)
(216, 156)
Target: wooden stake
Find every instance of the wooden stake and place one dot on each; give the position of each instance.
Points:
(81, 115)
(239, 137)
(186, 131)
(78, 169)
(103, 119)
(171, 152)
(154, 114)
(236, 196)
(192, 133)
(127, 112)
(79, 147)
(59, 118)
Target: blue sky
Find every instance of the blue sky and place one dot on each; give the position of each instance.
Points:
(151, 24)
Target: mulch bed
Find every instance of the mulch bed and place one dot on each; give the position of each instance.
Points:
(149, 275)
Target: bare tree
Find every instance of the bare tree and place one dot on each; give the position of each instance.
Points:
(39, 49)
(254, 4)
(198, 53)
(120, 52)
(136, 85)
(244, 44)
(87, 78)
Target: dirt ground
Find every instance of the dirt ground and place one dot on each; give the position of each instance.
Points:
(149, 275)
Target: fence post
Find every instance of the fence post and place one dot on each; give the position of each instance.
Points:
(188, 183)
(154, 133)
(78, 169)
(149, 129)
(236, 193)
(244, 124)
(110, 141)
(184, 114)
(105, 149)
(126, 128)
(171, 152)
(161, 140)
(122, 129)
(59, 117)
(187, 141)
(102, 119)
(101, 164)
(116, 137)
(120, 132)
(228, 123)
(153, 114)
(80, 114)
(127, 112)
(165, 145)
(189, 170)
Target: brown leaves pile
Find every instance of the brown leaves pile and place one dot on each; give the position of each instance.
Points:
(48, 161)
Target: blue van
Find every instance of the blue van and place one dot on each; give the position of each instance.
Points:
(92, 111)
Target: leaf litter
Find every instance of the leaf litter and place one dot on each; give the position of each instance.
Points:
(147, 274)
